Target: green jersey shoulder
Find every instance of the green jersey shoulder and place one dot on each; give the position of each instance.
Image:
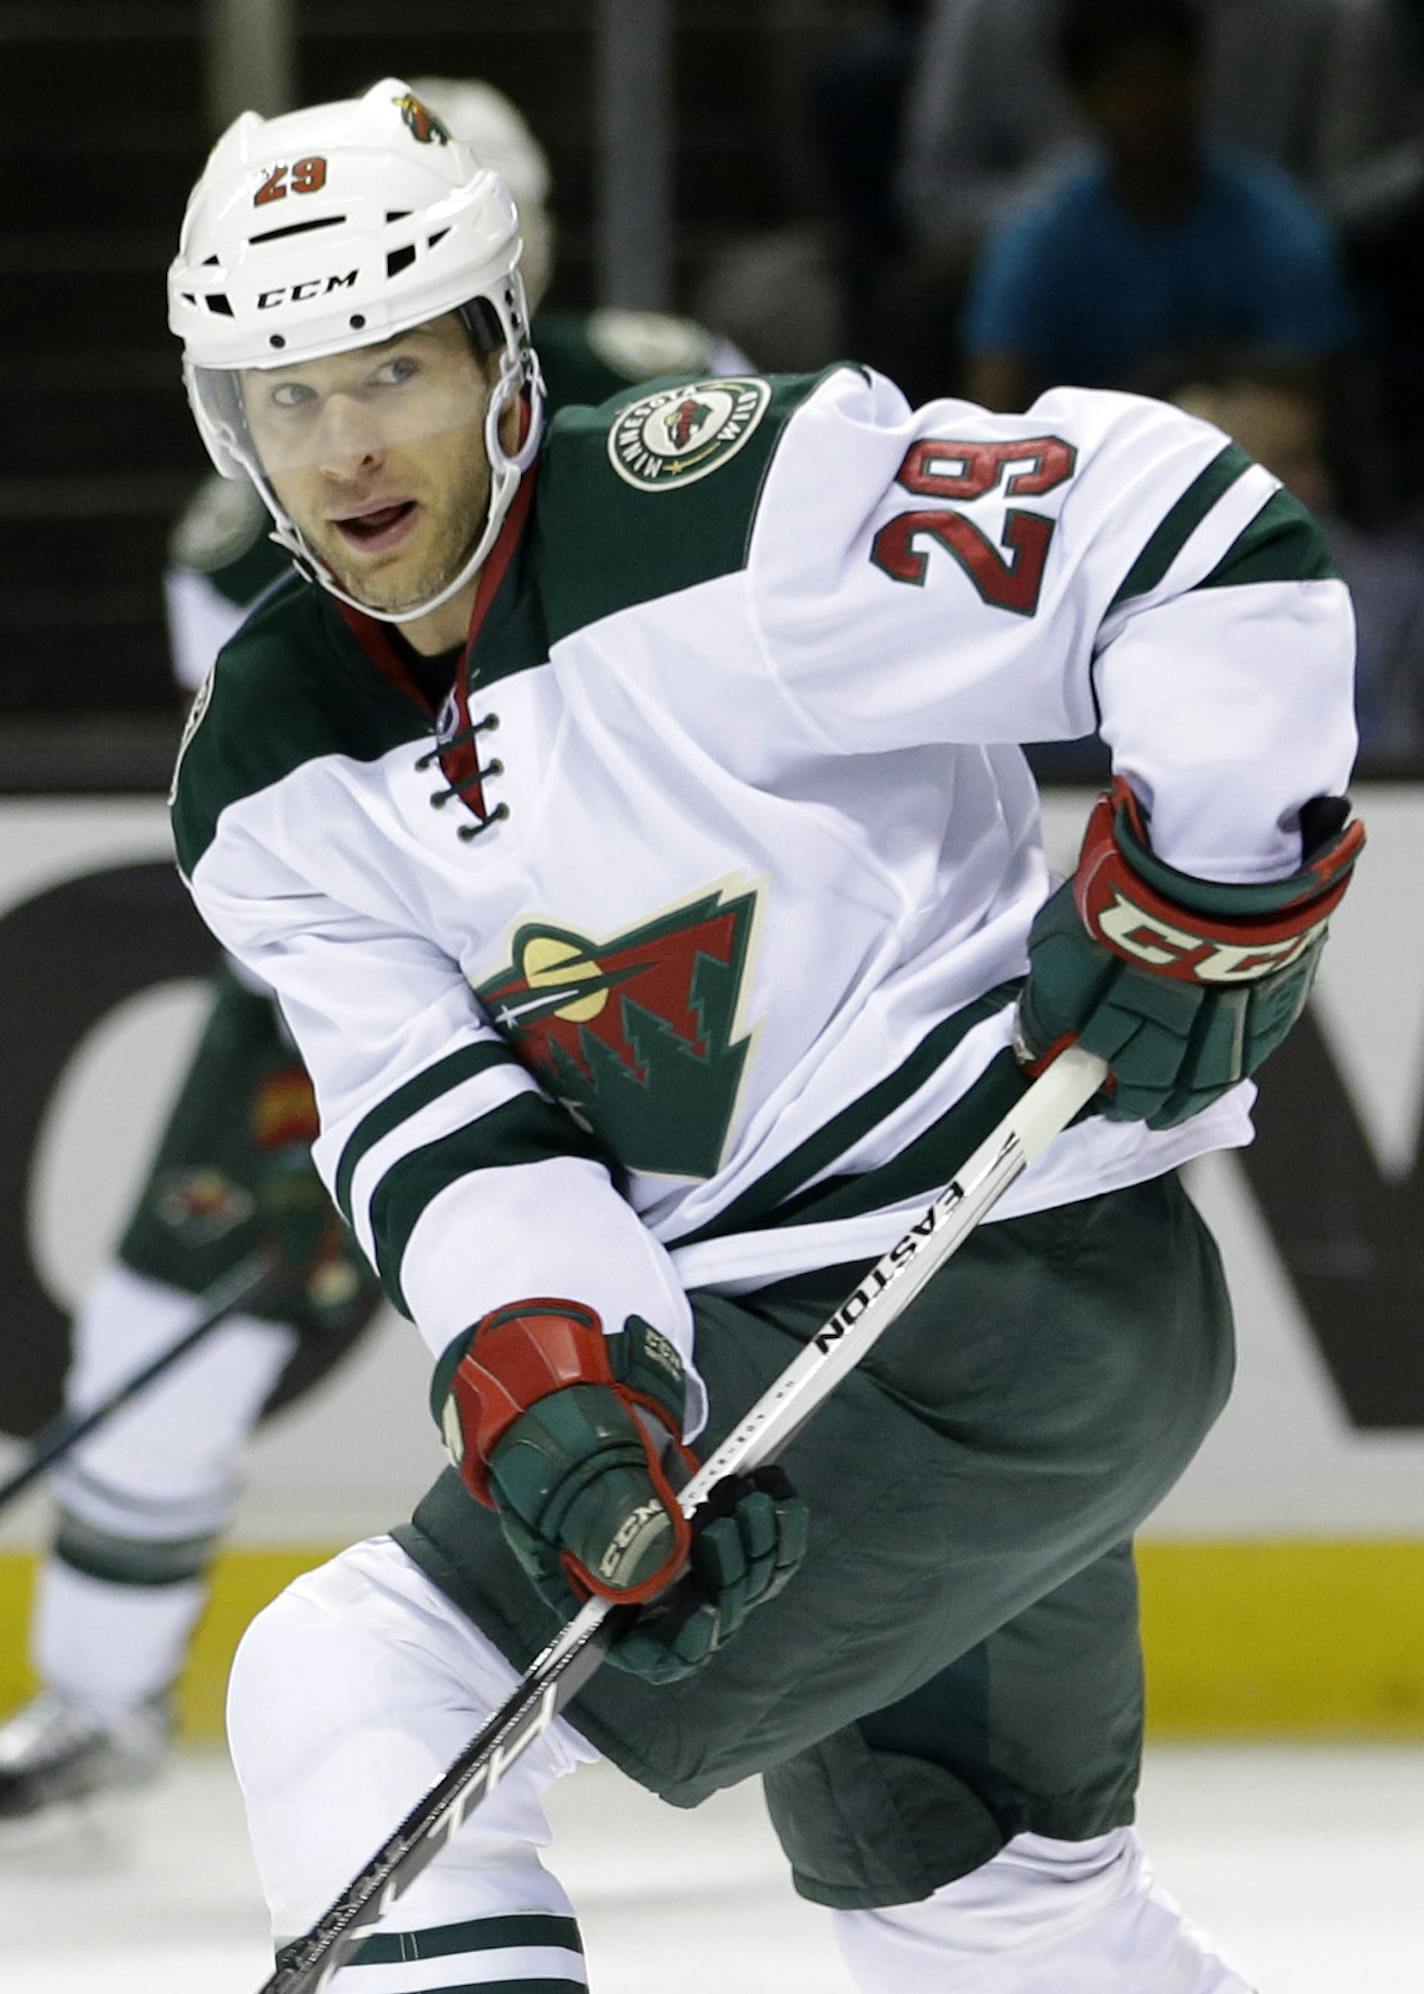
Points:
(588, 356)
(292, 685)
(656, 490)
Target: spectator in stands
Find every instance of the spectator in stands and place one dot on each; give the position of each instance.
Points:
(1160, 243)
(1383, 240)
(1319, 86)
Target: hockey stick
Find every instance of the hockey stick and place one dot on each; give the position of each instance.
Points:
(55, 1439)
(555, 1676)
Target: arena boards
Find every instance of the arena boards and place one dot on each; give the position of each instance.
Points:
(1283, 1581)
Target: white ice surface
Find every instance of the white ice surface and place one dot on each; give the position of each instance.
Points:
(1304, 1863)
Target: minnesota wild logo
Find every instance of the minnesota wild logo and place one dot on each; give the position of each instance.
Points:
(687, 419)
(423, 124)
(675, 436)
(203, 1203)
(634, 1034)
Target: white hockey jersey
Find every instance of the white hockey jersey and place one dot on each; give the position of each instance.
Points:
(684, 975)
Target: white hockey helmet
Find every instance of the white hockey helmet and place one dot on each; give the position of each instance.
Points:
(499, 137)
(331, 229)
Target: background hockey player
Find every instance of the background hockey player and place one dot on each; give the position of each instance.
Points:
(143, 1506)
(628, 819)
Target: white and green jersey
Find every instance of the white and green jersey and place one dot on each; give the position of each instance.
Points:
(223, 556)
(685, 989)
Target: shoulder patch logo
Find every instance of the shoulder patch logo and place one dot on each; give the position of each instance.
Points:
(203, 1203)
(678, 435)
(635, 1035)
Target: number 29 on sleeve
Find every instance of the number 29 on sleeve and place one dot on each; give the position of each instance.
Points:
(1009, 575)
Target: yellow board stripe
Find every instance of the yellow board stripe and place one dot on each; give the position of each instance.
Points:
(1294, 1639)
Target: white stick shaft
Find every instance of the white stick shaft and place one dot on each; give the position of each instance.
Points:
(892, 1283)
(555, 1675)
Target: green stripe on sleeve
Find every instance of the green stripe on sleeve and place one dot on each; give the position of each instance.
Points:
(759, 1201)
(1283, 543)
(521, 1985)
(529, 1928)
(924, 1166)
(526, 1130)
(427, 1086)
(1182, 522)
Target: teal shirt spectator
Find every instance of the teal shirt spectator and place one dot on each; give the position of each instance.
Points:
(1081, 292)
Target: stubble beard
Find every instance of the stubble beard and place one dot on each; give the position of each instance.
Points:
(451, 534)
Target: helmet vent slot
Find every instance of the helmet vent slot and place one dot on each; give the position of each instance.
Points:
(217, 302)
(439, 236)
(298, 228)
(399, 259)
(398, 214)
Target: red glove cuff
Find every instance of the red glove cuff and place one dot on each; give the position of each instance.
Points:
(518, 1355)
(1138, 922)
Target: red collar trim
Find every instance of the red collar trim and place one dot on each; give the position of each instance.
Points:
(374, 636)
(498, 559)
(375, 640)
(461, 764)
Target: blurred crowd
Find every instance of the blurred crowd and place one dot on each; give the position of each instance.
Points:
(1218, 202)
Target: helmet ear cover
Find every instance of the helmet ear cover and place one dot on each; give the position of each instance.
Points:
(481, 322)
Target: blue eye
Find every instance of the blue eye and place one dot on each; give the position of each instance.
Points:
(292, 394)
(396, 370)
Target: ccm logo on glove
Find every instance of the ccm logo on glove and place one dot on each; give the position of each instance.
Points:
(1182, 985)
(1206, 943)
(1134, 930)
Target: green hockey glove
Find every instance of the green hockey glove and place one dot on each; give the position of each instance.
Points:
(314, 1255)
(749, 1538)
(574, 1439)
(1182, 985)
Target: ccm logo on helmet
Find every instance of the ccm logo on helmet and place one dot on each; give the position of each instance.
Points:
(310, 287)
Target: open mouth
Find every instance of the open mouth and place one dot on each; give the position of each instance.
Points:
(383, 527)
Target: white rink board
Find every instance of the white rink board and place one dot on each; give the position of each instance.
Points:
(1283, 1461)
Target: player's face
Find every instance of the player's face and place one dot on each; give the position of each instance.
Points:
(377, 455)
(1146, 105)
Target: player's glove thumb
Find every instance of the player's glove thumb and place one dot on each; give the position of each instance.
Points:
(747, 1540)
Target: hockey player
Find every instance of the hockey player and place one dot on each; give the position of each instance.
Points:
(629, 819)
(142, 1506)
